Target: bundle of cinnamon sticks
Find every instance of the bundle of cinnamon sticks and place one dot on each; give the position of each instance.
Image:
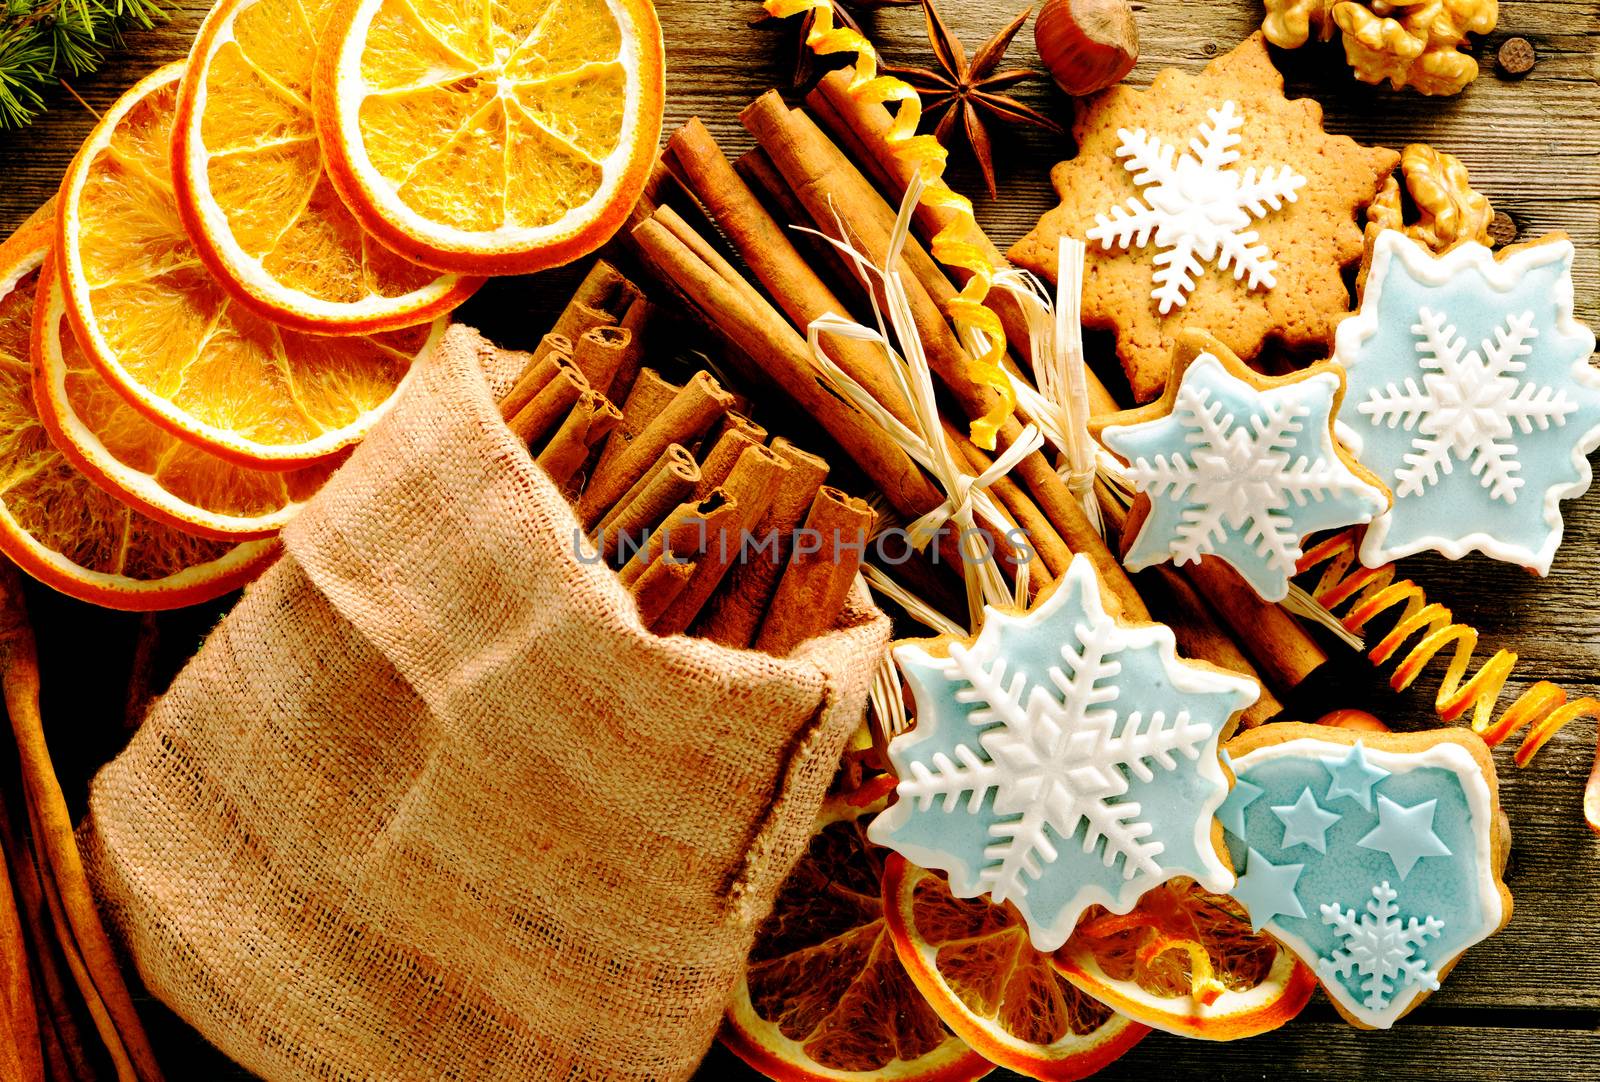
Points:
(722, 236)
(717, 532)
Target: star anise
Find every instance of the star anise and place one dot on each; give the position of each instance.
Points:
(805, 62)
(964, 93)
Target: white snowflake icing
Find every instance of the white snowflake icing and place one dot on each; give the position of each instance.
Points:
(1468, 405)
(1196, 208)
(1055, 763)
(1238, 483)
(1380, 948)
(1039, 732)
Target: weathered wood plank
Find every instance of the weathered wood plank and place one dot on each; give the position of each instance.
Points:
(1533, 146)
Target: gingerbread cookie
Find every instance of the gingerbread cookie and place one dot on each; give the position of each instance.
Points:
(1210, 202)
(1471, 396)
(1236, 465)
(1062, 759)
(1375, 857)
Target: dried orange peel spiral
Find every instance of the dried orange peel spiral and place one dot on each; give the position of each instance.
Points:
(1203, 983)
(957, 245)
(1361, 593)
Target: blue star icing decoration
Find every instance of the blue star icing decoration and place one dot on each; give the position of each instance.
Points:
(1354, 777)
(1406, 879)
(1405, 834)
(1305, 822)
(1062, 760)
(1241, 469)
(1240, 797)
(1472, 397)
(1267, 890)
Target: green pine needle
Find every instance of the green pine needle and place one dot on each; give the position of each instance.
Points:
(42, 39)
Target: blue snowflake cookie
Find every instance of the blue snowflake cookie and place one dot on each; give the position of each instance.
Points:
(1471, 396)
(1232, 464)
(1374, 857)
(1062, 760)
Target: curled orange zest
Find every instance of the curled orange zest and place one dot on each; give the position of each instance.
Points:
(1365, 592)
(956, 245)
(1203, 983)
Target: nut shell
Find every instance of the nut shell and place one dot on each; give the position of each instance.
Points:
(1087, 45)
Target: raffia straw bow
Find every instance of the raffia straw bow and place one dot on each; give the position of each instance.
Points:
(1059, 405)
(967, 499)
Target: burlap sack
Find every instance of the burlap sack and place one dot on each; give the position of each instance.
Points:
(431, 804)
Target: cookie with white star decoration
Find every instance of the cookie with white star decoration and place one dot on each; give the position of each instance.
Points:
(1209, 201)
(1062, 759)
(1375, 857)
(1232, 464)
(1472, 397)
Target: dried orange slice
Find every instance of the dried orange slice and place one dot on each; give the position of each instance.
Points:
(57, 525)
(114, 445)
(252, 193)
(973, 962)
(174, 343)
(1185, 961)
(825, 996)
(503, 140)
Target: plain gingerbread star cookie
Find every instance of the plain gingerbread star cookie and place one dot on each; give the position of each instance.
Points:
(1209, 202)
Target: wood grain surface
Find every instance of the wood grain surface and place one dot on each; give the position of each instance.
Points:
(1524, 1005)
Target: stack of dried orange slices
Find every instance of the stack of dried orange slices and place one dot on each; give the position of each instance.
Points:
(254, 247)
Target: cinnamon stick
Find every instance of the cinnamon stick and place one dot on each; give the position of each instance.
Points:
(828, 188)
(539, 370)
(555, 399)
(723, 456)
(760, 331)
(767, 250)
(861, 128)
(685, 531)
(638, 321)
(598, 354)
(734, 613)
(660, 583)
(736, 419)
(1277, 642)
(751, 485)
(585, 425)
(773, 192)
(599, 301)
(691, 412)
(816, 581)
(647, 398)
(672, 481)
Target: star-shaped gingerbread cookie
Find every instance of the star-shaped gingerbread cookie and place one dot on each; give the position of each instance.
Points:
(1209, 202)
(1236, 465)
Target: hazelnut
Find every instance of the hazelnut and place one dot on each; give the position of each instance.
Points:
(1086, 44)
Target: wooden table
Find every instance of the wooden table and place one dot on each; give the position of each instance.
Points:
(1526, 1004)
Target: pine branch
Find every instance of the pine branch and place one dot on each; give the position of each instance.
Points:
(42, 39)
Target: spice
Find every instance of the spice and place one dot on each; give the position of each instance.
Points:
(962, 93)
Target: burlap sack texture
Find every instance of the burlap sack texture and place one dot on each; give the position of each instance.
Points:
(431, 804)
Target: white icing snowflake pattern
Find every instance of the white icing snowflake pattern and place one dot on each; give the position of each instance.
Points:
(1239, 467)
(1380, 948)
(1195, 208)
(1061, 744)
(1055, 763)
(1467, 405)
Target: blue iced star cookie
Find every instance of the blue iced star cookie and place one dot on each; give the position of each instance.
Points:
(1407, 873)
(1238, 466)
(1062, 760)
(1471, 396)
